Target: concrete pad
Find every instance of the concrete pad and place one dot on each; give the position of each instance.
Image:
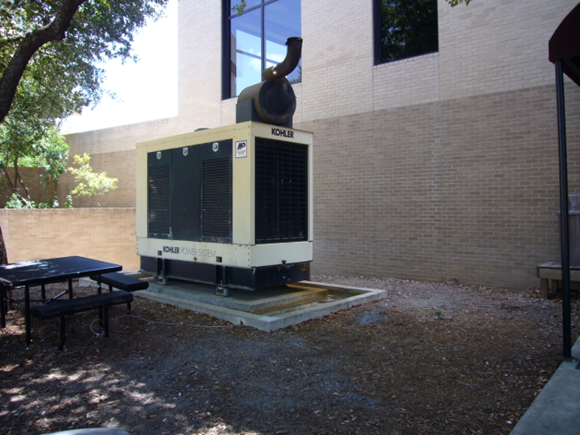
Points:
(556, 410)
(266, 310)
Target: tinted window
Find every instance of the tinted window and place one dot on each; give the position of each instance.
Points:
(406, 28)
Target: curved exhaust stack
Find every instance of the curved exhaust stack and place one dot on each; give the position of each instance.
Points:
(289, 63)
(272, 101)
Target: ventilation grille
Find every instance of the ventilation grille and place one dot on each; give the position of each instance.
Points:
(159, 216)
(216, 200)
(281, 191)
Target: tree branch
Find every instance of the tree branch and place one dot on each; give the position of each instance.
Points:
(18, 176)
(29, 45)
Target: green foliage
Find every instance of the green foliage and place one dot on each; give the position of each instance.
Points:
(240, 8)
(24, 146)
(50, 153)
(57, 74)
(90, 183)
(68, 203)
(17, 202)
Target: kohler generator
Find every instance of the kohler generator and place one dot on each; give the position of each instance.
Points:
(229, 206)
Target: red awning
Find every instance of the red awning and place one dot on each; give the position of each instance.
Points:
(565, 45)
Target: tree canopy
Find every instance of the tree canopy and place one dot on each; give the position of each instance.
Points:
(51, 48)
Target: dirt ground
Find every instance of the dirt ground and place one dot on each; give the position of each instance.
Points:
(428, 359)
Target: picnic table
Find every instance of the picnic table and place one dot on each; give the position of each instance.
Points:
(27, 274)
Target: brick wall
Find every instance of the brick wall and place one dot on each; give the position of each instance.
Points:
(101, 233)
(464, 189)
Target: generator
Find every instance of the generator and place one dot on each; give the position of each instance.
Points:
(228, 206)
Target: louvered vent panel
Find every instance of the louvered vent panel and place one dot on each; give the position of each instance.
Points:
(216, 200)
(159, 213)
(281, 191)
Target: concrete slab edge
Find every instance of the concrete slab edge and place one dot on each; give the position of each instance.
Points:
(556, 410)
(270, 323)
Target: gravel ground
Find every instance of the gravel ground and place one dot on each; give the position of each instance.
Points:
(431, 358)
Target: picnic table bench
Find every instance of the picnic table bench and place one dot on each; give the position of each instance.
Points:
(120, 281)
(62, 308)
(101, 301)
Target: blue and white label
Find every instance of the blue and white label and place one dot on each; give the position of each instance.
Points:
(241, 149)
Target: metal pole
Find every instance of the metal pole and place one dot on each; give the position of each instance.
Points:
(564, 217)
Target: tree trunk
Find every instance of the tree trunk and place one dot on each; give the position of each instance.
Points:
(3, 252)
(4, 260)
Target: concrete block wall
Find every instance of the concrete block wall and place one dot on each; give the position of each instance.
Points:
(99, 233)
(436, 167)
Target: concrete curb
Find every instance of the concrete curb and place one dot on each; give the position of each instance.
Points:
(556, 410)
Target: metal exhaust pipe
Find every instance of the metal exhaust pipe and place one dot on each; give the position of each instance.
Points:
(272, 101)
(289, 63)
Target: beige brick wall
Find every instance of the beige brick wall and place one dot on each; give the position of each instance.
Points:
(497, 45)
(337, 58)
(436, 167)
(99, 233)
(199, 64)
(465, 189)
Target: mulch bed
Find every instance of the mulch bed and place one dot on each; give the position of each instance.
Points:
(431, 358)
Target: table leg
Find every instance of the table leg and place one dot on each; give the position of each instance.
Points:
(70, 292)
(43, 292)
(27, 313)
(544, 283)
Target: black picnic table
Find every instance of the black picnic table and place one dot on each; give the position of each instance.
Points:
(41, 272)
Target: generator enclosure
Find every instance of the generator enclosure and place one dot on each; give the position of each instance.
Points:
(230, 206)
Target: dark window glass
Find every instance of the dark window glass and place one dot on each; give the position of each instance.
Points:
(405, 28)
(258, 30)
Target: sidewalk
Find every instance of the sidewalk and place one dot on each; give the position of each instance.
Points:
(556, 410)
